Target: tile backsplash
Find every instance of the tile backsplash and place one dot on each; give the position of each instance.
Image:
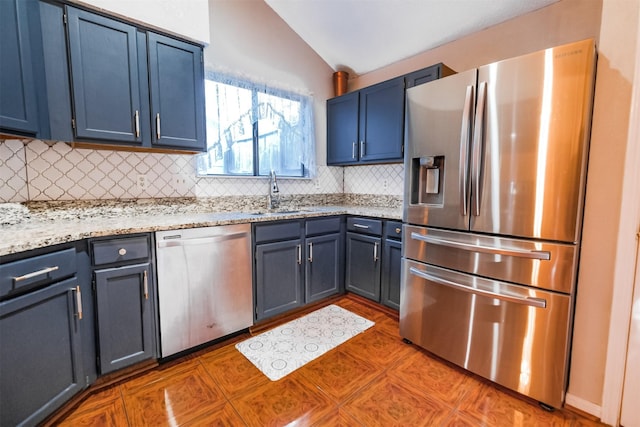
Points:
(34, 170)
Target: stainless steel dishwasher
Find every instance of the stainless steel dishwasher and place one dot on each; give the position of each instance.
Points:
(204, 284)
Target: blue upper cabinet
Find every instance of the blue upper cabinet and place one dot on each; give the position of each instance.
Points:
(21, 70)
(134, 87)
(105, 81)
(366, 126)
(342, 129)
(426, 75)
(176, 82)
(381, 128)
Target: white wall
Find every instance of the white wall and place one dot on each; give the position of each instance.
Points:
(249, 39)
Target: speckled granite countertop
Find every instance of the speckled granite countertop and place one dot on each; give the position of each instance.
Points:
(39, 224)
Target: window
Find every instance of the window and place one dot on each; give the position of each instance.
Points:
(253, 129)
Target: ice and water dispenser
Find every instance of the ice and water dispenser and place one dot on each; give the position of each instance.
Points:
(427, 180)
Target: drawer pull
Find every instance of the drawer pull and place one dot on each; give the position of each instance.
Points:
(78, 301)
(366, 227)
(145, 284)
(122, 251)
(398, 230)
(35, 273)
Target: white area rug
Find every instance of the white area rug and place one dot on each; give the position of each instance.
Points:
(282, 350)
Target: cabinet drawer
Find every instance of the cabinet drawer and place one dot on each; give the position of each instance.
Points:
(281, 230)
(393, 230)
(322, 226)
(18, 276)
(119, 250)
(365, 225)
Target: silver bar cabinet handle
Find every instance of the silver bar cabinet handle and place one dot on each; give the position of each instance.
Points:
(478, 138)
(35, 273)
(158, 126)
(366, 227)
(362, 149)
(310, 251)
(136, 118)
(145, 284)
(78, 301)
(533, 302)
(517, 252)
(375, 251)
(299, 254)
(465, 133)
(353, 150)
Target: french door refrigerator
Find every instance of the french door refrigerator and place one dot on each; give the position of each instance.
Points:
(495, 171)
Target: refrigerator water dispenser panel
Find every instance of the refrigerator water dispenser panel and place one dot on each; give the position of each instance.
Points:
(427, 180)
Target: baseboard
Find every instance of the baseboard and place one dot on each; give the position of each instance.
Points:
(583, 405)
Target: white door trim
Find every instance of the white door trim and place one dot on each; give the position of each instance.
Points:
(630, 412)
(624, 269)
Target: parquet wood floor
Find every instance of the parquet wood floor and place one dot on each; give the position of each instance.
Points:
(374, 379)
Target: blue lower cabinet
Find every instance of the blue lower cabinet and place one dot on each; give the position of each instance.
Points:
(40, 353)
(363, 265)
(297, 262)
(125, 300)
(124, 314)
(374, 252)
(324, 269)
(278, 277)
(391, 268)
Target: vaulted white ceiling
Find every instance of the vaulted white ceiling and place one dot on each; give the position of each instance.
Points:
(362, 35)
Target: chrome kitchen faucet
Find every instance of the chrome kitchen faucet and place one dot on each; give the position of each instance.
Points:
(273, 200)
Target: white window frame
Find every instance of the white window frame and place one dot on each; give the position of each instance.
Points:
(217, 148)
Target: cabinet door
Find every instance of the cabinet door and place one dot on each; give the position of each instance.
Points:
(390, 279)
(278, 277)
(426, 75)
(104, 75)
(40, 363)
(363, 265)
(176, 79)
(125, 321)
(381, 128)
(56, 65)
(18, 97)
(324, 266)
(342, 129)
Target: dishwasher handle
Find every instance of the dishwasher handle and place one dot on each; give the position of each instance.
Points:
(530, 301)
(199, 240)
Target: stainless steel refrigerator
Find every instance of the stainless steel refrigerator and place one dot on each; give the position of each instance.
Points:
(495, 171)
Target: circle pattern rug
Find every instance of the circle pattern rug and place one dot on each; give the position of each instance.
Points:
(281, 350)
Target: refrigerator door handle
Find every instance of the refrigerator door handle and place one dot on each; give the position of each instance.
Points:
(516, 252)
(530, 301)
(478, 138)
(465, 133)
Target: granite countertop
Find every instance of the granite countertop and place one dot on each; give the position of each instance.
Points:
(36, 225)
